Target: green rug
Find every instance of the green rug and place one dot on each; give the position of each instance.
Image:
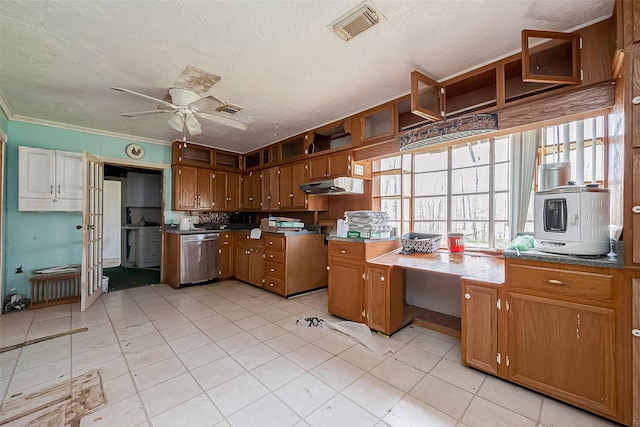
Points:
(126, 278)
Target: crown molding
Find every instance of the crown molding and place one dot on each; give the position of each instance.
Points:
(87, 130)
(4, 105)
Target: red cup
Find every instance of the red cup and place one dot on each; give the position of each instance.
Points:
(456, 242)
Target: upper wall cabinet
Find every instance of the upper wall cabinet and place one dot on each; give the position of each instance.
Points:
(191, 154)
(294, 147)
(377, 124)
(426, 97)
(550, 57)
(49, 180)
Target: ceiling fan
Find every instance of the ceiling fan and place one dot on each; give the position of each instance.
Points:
(186, 103)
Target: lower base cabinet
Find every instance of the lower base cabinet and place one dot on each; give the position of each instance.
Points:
(248, 259)
(554, 328)
(370, 294)
(226, 255)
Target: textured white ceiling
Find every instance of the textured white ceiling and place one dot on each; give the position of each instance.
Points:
(278, 59)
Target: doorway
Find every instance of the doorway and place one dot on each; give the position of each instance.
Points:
(133, 217)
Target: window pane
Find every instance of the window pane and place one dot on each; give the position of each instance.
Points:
(392, 207)
(501, 177)
(390, 163)
(501, 206)
(475, 233)
(432, 161)
(431, 183)
(430, 208)
(502, 149)
(406, 213)
(472, 180)
(502, 234)
(435, 227)
(389, 185)
(470, 154)
(470, 207)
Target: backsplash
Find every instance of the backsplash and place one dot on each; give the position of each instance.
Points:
(214, 217)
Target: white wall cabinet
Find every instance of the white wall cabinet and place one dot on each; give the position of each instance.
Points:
(144, 190)
(49, 180)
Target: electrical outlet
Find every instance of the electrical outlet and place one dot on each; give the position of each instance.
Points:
(358, 169)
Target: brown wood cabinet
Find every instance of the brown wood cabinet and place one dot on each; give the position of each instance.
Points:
(377, 124)
(271, 189)
(563, 335)
(291, 176)
(385, 298)
(481, 302)
(294, 264)
(227, 191)
(354, 297)
(248, 258)
(183, 153)
(226, 255)
(192, 188)
(251, 191)
(330, 165)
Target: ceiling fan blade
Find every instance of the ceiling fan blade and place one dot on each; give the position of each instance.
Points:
(150, 98)
(144, 113)
(224, 120)
(196, 79)
(208, 104)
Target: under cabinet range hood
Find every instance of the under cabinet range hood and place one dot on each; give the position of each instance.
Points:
(335, 186)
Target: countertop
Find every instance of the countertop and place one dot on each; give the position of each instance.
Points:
(137, 227)
(487, 268)
(358, 240)
(614, 259)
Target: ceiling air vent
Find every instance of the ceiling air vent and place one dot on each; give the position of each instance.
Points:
(229, 108)
(357, 20)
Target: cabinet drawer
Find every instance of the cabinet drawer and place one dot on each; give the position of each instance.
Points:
(274, 285)
(274, 256)
(346, 250)
(274, 269)
(577, 284)
(274, 243)
(225, 236)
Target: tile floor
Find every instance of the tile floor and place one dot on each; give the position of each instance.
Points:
(232, 354)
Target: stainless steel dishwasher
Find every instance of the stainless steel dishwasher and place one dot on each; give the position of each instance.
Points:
(199, 257)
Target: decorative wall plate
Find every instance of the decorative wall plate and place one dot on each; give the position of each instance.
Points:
(135, 151)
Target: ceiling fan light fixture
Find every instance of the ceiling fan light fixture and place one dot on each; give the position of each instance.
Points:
(177, 122)
(192, 124)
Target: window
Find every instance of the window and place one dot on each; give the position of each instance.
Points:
(467, 188)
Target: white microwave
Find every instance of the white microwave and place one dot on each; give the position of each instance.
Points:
(572, 220)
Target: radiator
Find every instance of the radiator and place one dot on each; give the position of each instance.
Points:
(54, 289)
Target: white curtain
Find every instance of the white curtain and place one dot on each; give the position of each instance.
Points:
(524, 151)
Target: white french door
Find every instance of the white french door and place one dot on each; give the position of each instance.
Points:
(92, 230)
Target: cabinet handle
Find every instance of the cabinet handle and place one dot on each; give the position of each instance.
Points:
(364, 313)
(328, 268)
(272, 270)
(382, 278)
(270, 255)
(343, 252)
(52, 189)
(58, 188)
(555, 282)
(467, 296)
(635, 332)
(635, 209)
(271, 284)
(291, 195)
(271, 243)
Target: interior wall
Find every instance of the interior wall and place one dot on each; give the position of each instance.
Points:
(435, 292)
(44, 239)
